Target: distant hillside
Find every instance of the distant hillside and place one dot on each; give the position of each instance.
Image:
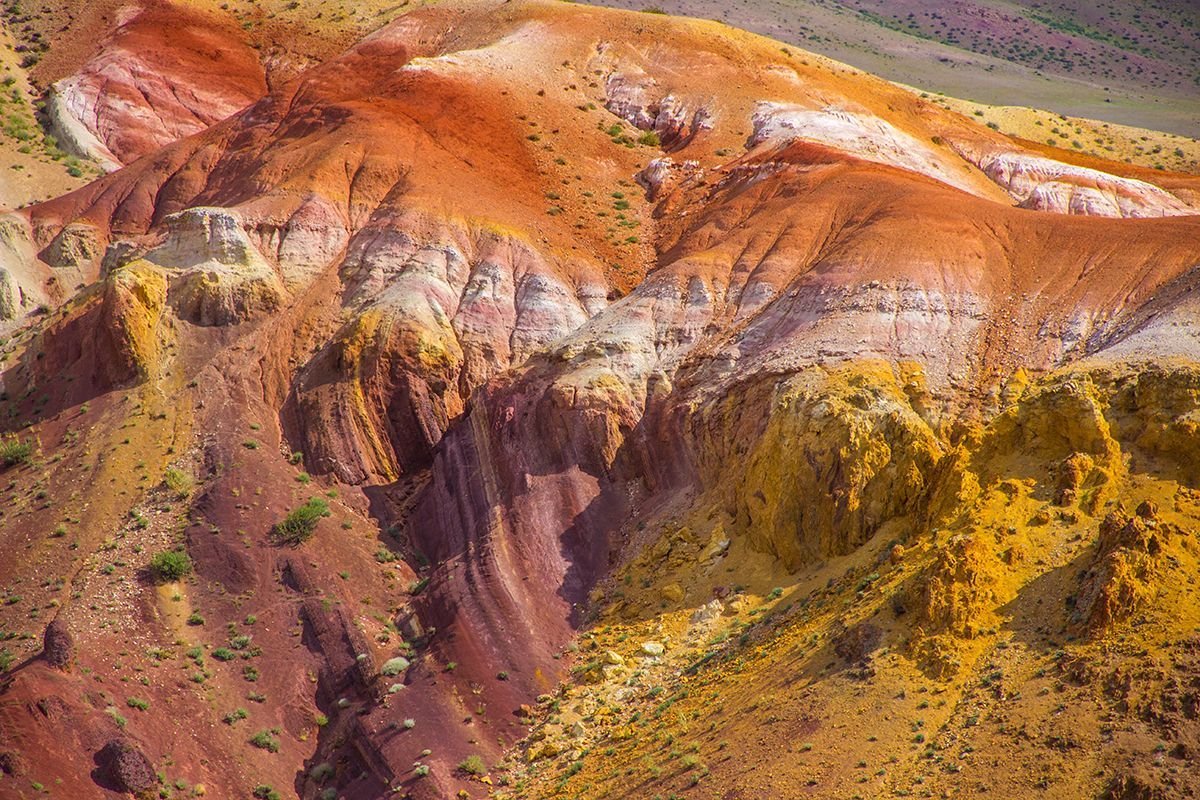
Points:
(1132, 63)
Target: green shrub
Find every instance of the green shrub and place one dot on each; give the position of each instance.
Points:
(300, 525)
(395, 666)
(13, 451)
(224, 654)
(178, 482)
(263, 740)
(649, 138)
(265, 792)
(170, 565)
(473, 765)
(138, 703)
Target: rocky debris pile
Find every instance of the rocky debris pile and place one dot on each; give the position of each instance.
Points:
(58, 646)
(855, 644)
(1121, 577)
(13, 764)
(127, 767)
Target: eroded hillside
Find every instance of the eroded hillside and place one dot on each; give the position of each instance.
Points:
(553, 401)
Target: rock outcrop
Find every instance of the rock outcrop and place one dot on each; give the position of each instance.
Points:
(162, 75)
(58, 646)
(127, 767)
(1046, 185)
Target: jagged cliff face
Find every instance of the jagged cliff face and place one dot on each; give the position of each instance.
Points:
(591, 329)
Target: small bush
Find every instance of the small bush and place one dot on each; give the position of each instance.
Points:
(473, 765)
(138, 703)
(263, 740)
(224, 654)
(265, 792)
(178, 482)
(300, 525)
(649, 139)
(395, 666)
(13, 451)
(170, 565)
(235, 716)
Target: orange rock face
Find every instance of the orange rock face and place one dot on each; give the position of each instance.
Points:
(534, 320)
(160, 76)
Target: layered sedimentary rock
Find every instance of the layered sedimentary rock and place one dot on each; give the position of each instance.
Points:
(163, 74)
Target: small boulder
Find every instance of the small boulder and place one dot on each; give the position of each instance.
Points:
(707, 613)
(653, 649)
(612, 657)
(856, 644)
(127, 766)
(545, 750)
(13, 764)
(672, 593)
(58, 646)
